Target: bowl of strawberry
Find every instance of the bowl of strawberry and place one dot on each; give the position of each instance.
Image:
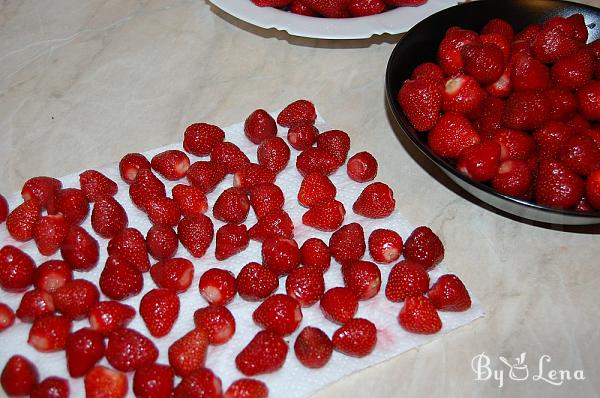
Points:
(504, 97)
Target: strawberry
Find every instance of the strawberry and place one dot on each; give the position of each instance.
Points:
(329, 8)
(451, 135)
(102, 382)
(145, 187)
(363, 278)
(424, 247)
(265, 353)
(108, 316)
(339, 304)
(273, 154)
(593, 133)
(95, 184)
(449, 55)
(592, 189)
(501, 42)
(217, 286)
(363, 8)
(315, 188)
(528, 33)
(231, 239)
(581, 154)
(129, 350)
(265, 198)
(580, 32)
(551, 137)
(49, 333)
(316, 160)
(159, 308)
(130, 245)
(21, 220)
(313, 348)
(315, 254)
(421, 102)
(40, 188)
(7, 317)
(588, 98)
(579, 123)
(299, 111)
(348, 243)
(306, 285)
(553, 43)
(162, 242)
(325, 216)
(480, 162)
(499, 26)
(206, 175)
(501, 88)
(232, 206)
(162, 210)
(130, 164)
(190, 200)
(297, 7)
(256, 282)
(252, 175)
(418, 315)
(385, 245)
(448, 293)
(230, 155)
(407, 278)
(428, 70)
(490, 118)
(514, 144)
(526, 110)
(34, 304)
(528, 73)
(302, 136)
(172, 164)
(462, 94)
(51, 275)
(357, 337)
(405, 3)
(108, 217)
(200, 138)
(259, 126)
(175, 274)
(19, 376)
(279, 313)
(218, 322)
(362, 167)
(201, 382)
(49, 233)
(514, 178)
(153, 381)
(76, 298)
(16, 269)
(484, 62)
(275, 224)
(120, 280)
(72, 203)
(557, 186)
(574, 71)
(375, 201)
(280, 255)
(4, 210)
(54, 387)
(247, 388)
(196, 234)
(84, 349)
(188, 353)
(563, 103)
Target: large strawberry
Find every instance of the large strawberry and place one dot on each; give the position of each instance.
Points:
(557, 186)
(196, 234)
(265, 353)
(375, 201)
(329, 8)
(159, 308)
(357, 337)
(129, 350)
(419, 316)
(421, 101)
(200, 138)
(452, 133)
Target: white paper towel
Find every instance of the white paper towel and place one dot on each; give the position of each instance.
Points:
(293, 380)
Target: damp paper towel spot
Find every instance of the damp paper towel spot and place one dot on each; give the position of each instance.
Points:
(293, 380)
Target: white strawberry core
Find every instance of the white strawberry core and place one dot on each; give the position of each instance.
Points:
(298, 315)
(223, 334)
(182, 167)
(212, 294)
(454, 84)
(4, 320)
(390, 254)
(358, 166)
(236, 180)
(39, 342)
(53, 281)
(293, 138)
(373, 288)
(186, 278)
(505, 167)
(131, 173)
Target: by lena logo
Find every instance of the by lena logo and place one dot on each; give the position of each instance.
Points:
(518, 370)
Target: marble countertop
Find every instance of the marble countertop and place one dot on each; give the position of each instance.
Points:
(84, 82)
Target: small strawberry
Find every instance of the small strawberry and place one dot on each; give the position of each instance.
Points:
(54, 387)
(232, 206)
(385, 245)
(4, 210)
(49, 333)
(588, 98)
(153, 381)
(162, 210)
(348, 243)
(191, 200)
(7, 317)
(159, 308)
(129, 350)
(73, 205)
(218, 322)
(84, 349)
(231, 239)
(574, 71)
(206, 175)
(120, 280)
(357, 337)
(581, 154)
(273, 154)
(302, 136)
(315, 188)
(362, 167)
(230, 155)
(251, 175)
(407, 278)
(316, 160)
(76, 298)
(563, 103)
(280, 255)
(247, 388)
(108, 217)
(424, 247)
(49, 233)
(592, 189)
(51, 275)
(108, 316)
(329, 8)
(130, 245)
(217, 286)
(172, 164)
(259, 126)
(499, 26)
(336, 142)
(418, 315)
(21, 220)
(462, 94)
(265, 198)
(40, 188)
(35, 304)
(95, 184)
(145, 187)
(339, 304)
(557, 186)
(315, 253)
(130, 164)
(196, 234)
(480, 162)
(188, 353)
(306, 285)
(162, 242)
(363, 8)
(201, 382)
(448, 293)
(175, 274)
(299, 111)
(265, 353)
(449, 55)
(363, 278)
(313, 347)
(451, 135)
(256, 282)
(279, 313)
(526, 110)
(553, 43)
(325, 216)
(102, 382)
(16, 269)
(19, 376)
(200, 138)
(514, 178)
(528, 73)
(275, 224)
(375, 201)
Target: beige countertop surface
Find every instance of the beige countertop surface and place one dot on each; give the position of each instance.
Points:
(84, 82)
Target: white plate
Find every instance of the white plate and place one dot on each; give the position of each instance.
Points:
(394, 21)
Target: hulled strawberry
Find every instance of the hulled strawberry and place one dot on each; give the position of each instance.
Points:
(526, 110)
(19, 376)
(218, 322)
(299, 111)
(514, 178)
(481, 161)
(581, 154)
(108, 217)
(553, 43)
(451, 135)
(196, 234)
(313, 347)
(256, 282)
(424, 247)
(145, 187)
(273, 154)
(302, 136)
(574, 71)
(279, 313)
(72, 204)
(265, 353)
(218, 286)
(306, 285)
(206, 175)
(588, 98)
(265, 198)
(462, 94)
(130, 164)
(188, 353)
(357, 337)
(162, 242)
(407, 278)
(325, 216)
(7, 317)
(190, 200)
(251, 175)
(316, 160)
(230, 155)
(339, 304)
(273, 225)
(336, 142)
(329, 8)
(418, 315)
(231, 239)
(51, 275)
(375, 201)
(247, 388)
(159, 308)
(85, 347)
(40, 188)
(348, 243)
(449, 55)
(421, 101)
(363, 278)
(232, 206)
(49, 333)
(484, 62)
(95, 185)
(490, 118)
(448, 293)
(557, 186)
(200, 138)
(102, 382)
(280, 255)
(162, 210)
(49, 232)
(528, 73)
(563, 104)
(16, 269)
(362, 167)
(385, 245)
(259, 126)
(172, 164)
(514, 144)
(129, 350)
(34, 304)
(76, 298)
(315, 188)
(175, 274)
(120, 280)
(131, 246)
(21, 220)
(153, 381)
(201, 382)
(363, 8)
(499, 26)
(55, 387)
(315, 253)
(108, 316)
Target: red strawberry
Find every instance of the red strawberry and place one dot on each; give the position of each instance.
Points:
(172, 164)
(4, 210)
(145, 187)
(514, 178)
(34, 304)
(84, 349)
(315, 188)
(19, 376)
(72, 203)
(120, 280)
(336, 142)
(256, 282)
(153, 381)
(273, 154)
(315, 254)
(280, 255)
(490, 118)
(306, 285)
(448, 293)
(500, 41)
(375, 201)
(299, 111)
(188, 353)
(553, 43)
(451, 135)
(313, 347)
(200, 138)
(130, 164)
(348, 243)
(421, 102)
(218, 286)
(526, 110)
(449, 55)
(252, 175)
(279, 313)
(201, 382)
(551, 137)
(528, 73)
(95, 184)
(230, 155)
(580, 32)
(206, 175)
(302, 136)
(108, 316)
(265, 353)
(159, 308)
(218, 322)
(593, 133)
(129, 350)
(232, 206)
(265, 198)
(163, 210)
(297, 7)
(363, 278)
(528, 33)
(175, 274)
(54, 387)
(196, 234)
(514, 144)
(484, 62)
(130, 245)
(592, 189)
(51, 275)
(574, 71)
(407, 278)
(16, 269)
(499, 26)
(501, 88)
(108, 217)
(102, 382)
(231, 239)
(316, 160)
(325, 216)
(385, 245)
(588, 98)
(419, 316)
(7, 317)
(76, 298)
(339, 304)
(480, 162)
(275, 224)
(329, 8)
(162, 242)
(191, 200)
(259, 126)
(362, 167)
(557, 186)
(462, 94)
(357, 338)
(563, 103)
(49, 233)
(21, 220)
(405, 3)
(40, 188)
(428, 70)
(581, 154)
(363, 8)
(247, 388)
(49, 333)
(424, 247)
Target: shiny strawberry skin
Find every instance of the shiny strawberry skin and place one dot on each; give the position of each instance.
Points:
(592, 189)
(108, 217)
(302, 136)
(230, 155)
(526, 110)
(407, 278)
(49, 333)
(385, 245)
(329, 8)
(273, 154)
(16, 269)
(191, 200)
(49, 232)
(128, 350)
(72, 203)
(51, 275)
(424, 247)
(336, 142)
(130, 164)
(514, 178)
(259, 126)
(419, 316)
(273, 225)
(162, 210)
(95, 185)
(19, 376)
(251, 175)
(557, 186)
(265, 353)
(153, 381)
(108, 316)
(145, 187)
(280, 255)
(581, 154)
(196, 234)
(175, 274)
(553, 43)
(313, 347)
(551, 137)
(528, 73)
(256, 282)
(201, 382)
(514, 144)
(499, 26)
(299, 111)
(7, 317)
(206, 175)
(85, 347)
(130, 245)
(363, 8)
(21, 220)
(4, 209)
(588, 98)
(218, 322)
(315, 188)
(357, 337)
(159, 308)
(54, 387)
(42, 189)
(188, 353)
(265, 198)
(451, 135)
(339, 304)
(363, 278)
(348, 243)
(316, 160)
(218, 286)
(120, 280)
(102, 382)
(375, 201)
(200, 138)
(279, 313)
(449, 55)
(481, 161)
(34, 304)
(362, 167)
(162, 242)
(76, 298)
(232, 206)
(448, 293)
(247, 388)
(172, 164)
(462, 94)
(325, 216)
(306, 285)
(421, 102)
(484, 62)
(231, 239)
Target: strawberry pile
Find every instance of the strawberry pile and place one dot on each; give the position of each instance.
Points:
(517, 111)
(109, 320)
(338, 8)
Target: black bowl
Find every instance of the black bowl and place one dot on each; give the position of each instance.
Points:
(420, 45)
